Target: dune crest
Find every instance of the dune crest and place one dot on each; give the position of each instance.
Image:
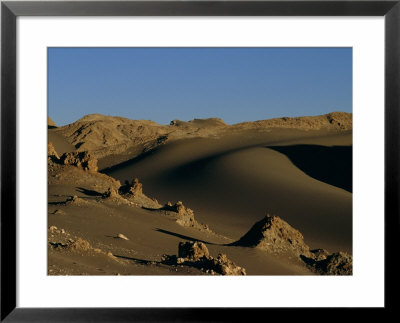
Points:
(228, 175)
(106, 135)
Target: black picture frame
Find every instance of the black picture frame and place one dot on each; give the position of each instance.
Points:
(10, 10)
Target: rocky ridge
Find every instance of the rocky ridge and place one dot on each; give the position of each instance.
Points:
(105, 135)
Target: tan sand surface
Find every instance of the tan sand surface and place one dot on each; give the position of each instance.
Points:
(230, 176)
(232, 182)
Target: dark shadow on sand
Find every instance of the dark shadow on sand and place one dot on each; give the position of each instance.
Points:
(187, 171)
(129, 162)
(88, 192)
(181, 236)
(56, 203)
(331, 165)
(139, 261)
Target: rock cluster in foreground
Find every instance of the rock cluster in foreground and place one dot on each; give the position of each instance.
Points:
(276, 236)
(339, 263)
(196, 254)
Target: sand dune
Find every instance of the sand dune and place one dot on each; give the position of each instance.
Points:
(120, 139)
(231, 189)
(230, 176)
(59, 142)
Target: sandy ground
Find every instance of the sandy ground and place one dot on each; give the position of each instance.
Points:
(230, 181)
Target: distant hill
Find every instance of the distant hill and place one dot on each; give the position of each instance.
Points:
(333, 120)
(107, 135)
(50, 122)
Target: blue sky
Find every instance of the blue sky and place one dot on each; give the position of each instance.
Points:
(162, 84)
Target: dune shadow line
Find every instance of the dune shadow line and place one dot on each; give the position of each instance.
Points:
(181, 236)
(88, 192)
(331, 165)
(139, 261)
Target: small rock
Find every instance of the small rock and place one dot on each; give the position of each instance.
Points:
(59, 212)
(80, 245)
(121, 236)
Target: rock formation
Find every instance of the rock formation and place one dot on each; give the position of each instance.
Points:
(196, 254)
(275, 235)
(179, 208)
(339, 263)
(183, 216)
(51, 151)
(50, 123)
(83, 160)
(136, 188)
(193, 250)
(110, 193)
(134, 192)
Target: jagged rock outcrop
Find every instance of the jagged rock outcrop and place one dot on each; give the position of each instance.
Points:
(196, 254)
(338, 263)
(275, 235)
(110, 193)
(179, 208)
(183, 215)
(136, 188)
(319, 254)
(83, 160)
(51, 151)
(192, 250)
(106, 135)
(134, 192)
(59, 239)
(224, 266)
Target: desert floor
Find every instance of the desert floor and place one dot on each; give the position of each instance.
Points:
(230, 179)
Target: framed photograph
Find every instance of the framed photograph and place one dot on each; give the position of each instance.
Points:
(206, 160)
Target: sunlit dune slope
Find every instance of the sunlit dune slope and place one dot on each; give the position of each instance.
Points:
(231, 182)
